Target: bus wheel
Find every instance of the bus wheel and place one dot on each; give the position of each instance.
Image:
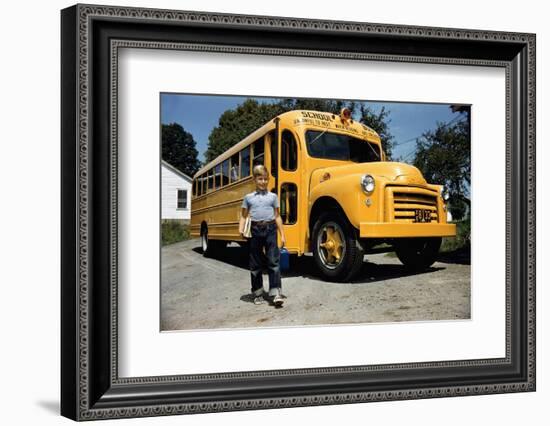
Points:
(336, 249)
(417, 254)
(210, 247)
(204, 240)
(206, 244)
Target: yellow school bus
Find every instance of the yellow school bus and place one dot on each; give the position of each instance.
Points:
(339, 197)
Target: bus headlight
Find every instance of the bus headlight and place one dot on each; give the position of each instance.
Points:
(367, 183)
(445, 193)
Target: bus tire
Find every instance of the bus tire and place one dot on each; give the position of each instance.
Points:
(210, 247)
(418, 254)
(337, 251)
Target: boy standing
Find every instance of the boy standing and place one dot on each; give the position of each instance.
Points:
(263, 208)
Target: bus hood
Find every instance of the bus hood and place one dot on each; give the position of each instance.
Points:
(389, 170)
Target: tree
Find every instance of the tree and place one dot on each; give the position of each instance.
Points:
(443, 157)
(379, 122)
(235, 124)
(179, 149)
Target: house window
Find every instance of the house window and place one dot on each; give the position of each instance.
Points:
(182, 198)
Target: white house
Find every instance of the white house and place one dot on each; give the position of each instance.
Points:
(176, 193)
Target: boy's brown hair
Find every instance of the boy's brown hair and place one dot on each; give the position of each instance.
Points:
(260, 170)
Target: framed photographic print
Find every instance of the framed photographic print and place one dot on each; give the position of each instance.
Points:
(320, 153)
(387, 176)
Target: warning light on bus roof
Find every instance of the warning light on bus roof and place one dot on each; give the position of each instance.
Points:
(345, 114)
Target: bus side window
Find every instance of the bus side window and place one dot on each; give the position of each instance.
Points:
(210, 180)
(225, 172)
(218, 176)
(234, 170)
(245, 162)
(289, 155)
(258, 152)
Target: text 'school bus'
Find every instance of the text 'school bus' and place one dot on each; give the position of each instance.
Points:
(339, 197)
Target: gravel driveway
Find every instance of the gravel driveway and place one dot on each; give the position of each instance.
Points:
(201, 293)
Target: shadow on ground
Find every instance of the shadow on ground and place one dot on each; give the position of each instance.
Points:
(50, 406)
(304, 266)
(461, 256)
(249, 298)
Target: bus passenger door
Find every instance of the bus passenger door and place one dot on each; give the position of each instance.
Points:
(285, 170)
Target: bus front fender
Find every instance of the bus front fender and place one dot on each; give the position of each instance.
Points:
(340, 193)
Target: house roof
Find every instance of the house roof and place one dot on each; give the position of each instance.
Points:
(176, 171)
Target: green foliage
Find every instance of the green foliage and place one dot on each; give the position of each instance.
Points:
(462, 239)
(235, 124)
(179, 149)
(379, 122)
(173, 232)
(443, 157)
(457, 207)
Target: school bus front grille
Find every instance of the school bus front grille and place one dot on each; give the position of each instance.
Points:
(405, 202)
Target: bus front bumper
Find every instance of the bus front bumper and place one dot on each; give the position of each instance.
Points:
(406, 230)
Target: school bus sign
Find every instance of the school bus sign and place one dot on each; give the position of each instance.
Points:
(339, 197)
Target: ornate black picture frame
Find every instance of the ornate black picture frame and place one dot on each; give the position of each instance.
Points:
(91, 387)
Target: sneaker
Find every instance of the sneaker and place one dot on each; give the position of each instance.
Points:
(259, 297)
(259, 300)
(278, 300)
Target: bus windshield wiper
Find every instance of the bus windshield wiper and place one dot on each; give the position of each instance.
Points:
(373, 150)
(319, 135)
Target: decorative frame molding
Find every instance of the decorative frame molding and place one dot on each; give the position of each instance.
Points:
(91, 37)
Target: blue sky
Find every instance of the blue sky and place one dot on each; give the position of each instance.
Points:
(199, 114)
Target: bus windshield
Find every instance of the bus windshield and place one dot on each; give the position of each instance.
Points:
(335, 146)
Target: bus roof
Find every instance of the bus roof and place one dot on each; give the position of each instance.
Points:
(299, 118)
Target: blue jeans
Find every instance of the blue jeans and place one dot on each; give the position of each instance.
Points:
(264, 237)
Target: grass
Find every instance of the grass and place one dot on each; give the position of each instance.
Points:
(173, 232)
(462, 239)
